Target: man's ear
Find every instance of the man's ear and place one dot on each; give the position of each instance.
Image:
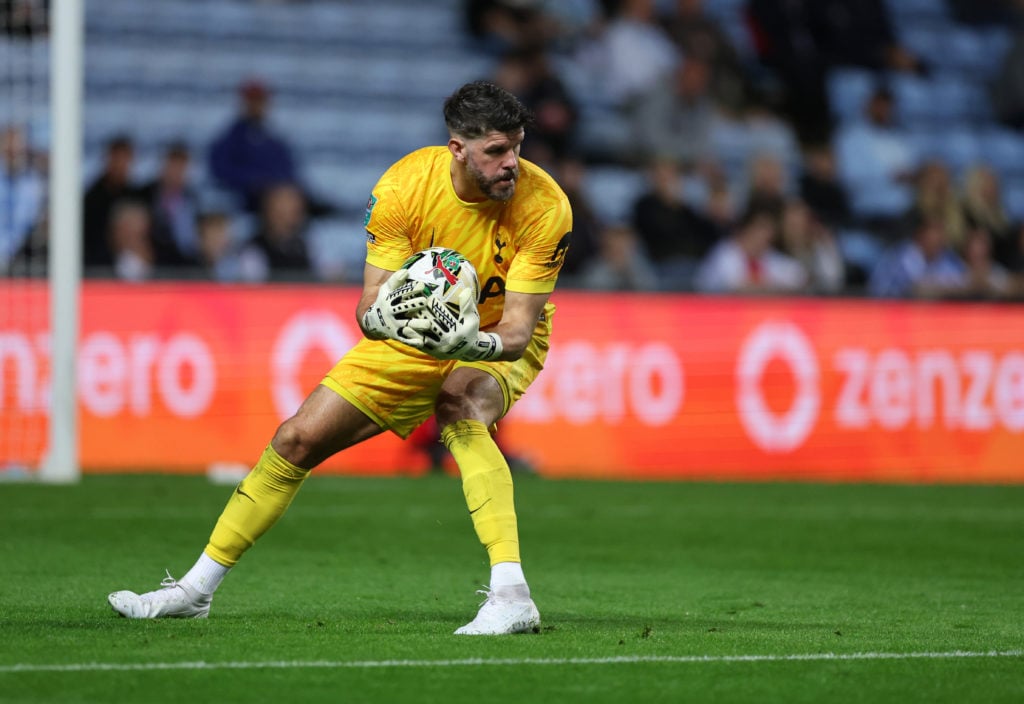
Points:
(458, 149)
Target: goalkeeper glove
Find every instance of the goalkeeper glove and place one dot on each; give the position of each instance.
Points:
(459, 338)
(391, 316)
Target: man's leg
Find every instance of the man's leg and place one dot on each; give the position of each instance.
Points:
(325, 424)
(469, 403)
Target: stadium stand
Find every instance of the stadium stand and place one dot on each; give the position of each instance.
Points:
(357, 84)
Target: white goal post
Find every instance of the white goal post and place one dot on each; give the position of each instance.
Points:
(61, 462)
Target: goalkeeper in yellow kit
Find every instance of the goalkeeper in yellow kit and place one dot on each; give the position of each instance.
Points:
(513, 222)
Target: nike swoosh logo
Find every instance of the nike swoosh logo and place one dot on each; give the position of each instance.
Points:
(238, 490)
(472, 511)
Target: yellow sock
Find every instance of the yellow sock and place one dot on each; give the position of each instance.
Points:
(487, 485)
(256, 504)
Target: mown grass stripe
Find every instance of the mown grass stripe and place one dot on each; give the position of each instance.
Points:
(480, 662)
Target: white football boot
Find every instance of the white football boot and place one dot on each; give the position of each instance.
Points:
(173, 600)
(501, 615)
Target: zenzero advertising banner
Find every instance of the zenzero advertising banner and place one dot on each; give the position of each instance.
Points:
(175, 377)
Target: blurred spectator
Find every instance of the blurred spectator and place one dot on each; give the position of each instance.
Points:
(22, 196)
(113, 185)
(249, 157)
(986, 278)
(572, 21)
(527, 73)
(699, 37)
(859, 33)
(675, 117)
(571, 174)
(621, 264)
(983, 208)
(804, 238)
(278, 248)
(936, 199)
(499, 26)
(924, 266)
(721, 207)
(130, 241)
(1008, 86)
(767, 133)
(802, 39)
(674, 235)
(1012, 254)
(26, 19)
(766, 182)
(876, 162)
(219, 257)
(784, 40)
(820, 187)
(630, 55)
(32, 259)
(998, 12)
(746, 263)
(174, 206)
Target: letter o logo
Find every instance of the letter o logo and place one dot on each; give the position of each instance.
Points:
(773, 432)
(187, 351)
(302, 332)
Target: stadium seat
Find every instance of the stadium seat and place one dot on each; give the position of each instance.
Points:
(944, 99)
(345, 183)
(848, 91)
(337, 247)
(923, 40)
(955, 99)
(1003, 149)
(729, 14)
(958, 147)
(917, 11)
(612, 190)
(730, 143)
(29, 59)
(1013, 198)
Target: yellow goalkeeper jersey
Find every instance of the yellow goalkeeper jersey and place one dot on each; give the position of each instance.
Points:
(517, 246)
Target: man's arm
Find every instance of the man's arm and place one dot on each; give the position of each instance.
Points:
(518, 321)
(373, 279)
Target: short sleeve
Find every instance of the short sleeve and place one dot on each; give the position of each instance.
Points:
(542, 251)
(388, 244)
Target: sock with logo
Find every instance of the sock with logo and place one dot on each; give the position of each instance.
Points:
(487, 486)
(255, 505)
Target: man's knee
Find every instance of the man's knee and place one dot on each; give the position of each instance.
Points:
(450, 407)
(469, 394)
(299, 444)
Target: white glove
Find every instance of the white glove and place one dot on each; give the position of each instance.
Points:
(393, 314)
(459, 338)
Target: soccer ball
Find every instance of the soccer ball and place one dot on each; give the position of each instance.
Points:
(446, 274)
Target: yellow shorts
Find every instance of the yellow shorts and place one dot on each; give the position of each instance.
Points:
(396, 385)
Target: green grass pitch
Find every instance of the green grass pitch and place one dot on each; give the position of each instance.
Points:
(649, 592)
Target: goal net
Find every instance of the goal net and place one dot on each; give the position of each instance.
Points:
(37, 240)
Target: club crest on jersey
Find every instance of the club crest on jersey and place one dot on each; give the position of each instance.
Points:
(372, 201)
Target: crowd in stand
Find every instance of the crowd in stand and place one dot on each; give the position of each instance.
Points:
(753, 186)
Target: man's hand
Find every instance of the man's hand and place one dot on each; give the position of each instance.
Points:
(392, 314)
(459, 338)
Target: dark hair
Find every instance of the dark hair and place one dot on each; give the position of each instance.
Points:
(760, 208)
(177, 149)
(481, 107)
(120, 141)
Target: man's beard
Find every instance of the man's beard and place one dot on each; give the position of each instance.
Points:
(490, 186)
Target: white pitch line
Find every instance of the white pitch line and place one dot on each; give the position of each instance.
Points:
(478, 662)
